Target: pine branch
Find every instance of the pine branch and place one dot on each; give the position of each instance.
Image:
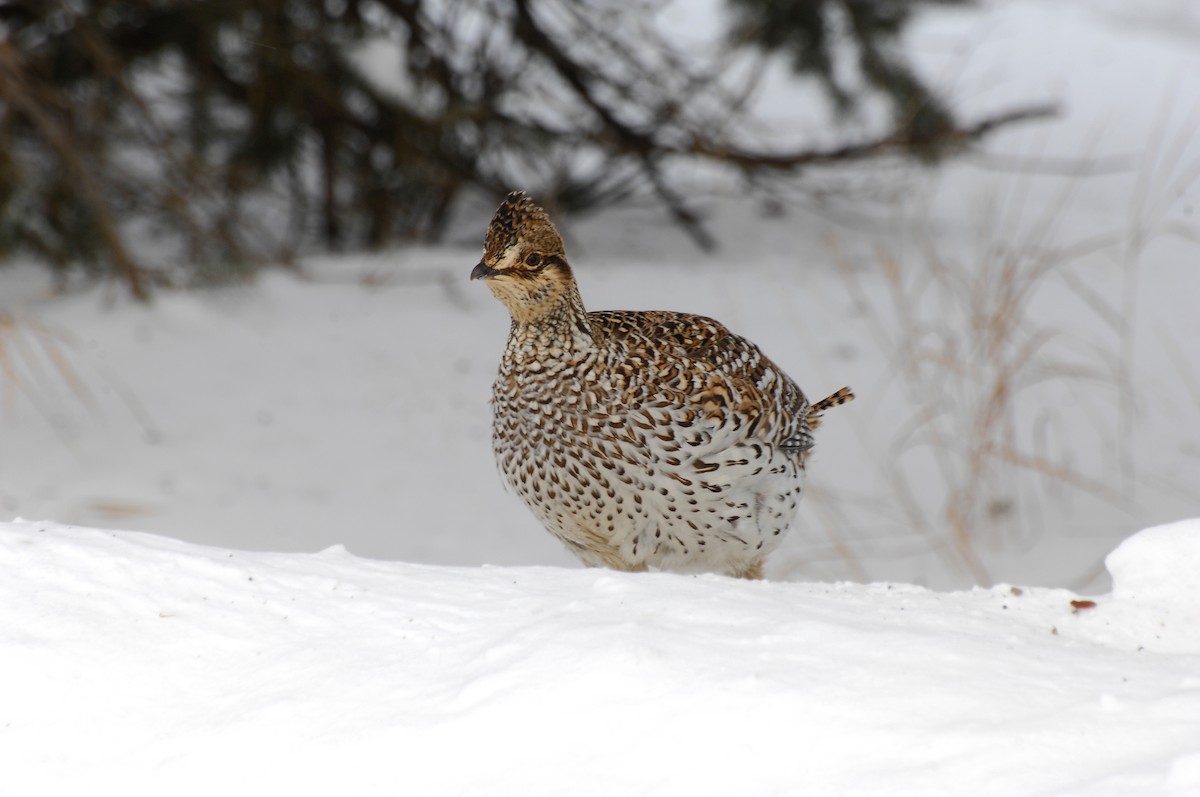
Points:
(872, 148)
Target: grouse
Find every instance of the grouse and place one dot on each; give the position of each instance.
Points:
(638, 439)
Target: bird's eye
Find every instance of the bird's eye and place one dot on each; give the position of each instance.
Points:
(533, 259)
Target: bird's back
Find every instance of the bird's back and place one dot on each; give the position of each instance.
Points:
(721, 372)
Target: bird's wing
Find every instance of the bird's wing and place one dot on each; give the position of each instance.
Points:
(727, 377)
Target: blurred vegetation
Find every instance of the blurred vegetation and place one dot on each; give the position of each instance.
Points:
(815, 34)
(245, 130)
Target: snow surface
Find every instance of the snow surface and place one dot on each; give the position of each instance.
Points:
(344, 404)
(140, 665)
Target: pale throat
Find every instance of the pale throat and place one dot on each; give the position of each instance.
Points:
(555, 328)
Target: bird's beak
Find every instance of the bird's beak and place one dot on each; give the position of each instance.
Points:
(483, 271)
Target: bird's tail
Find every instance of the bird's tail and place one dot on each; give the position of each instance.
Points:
(813, 416)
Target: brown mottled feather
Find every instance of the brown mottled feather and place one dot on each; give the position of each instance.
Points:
(638, 438)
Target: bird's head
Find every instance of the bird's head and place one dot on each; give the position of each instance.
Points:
(524, 263)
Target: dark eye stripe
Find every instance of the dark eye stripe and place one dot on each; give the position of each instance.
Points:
(544, 262)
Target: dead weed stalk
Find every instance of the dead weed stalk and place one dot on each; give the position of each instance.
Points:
(982, 379)
(42, 364)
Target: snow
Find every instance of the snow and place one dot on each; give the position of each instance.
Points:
(336, 595)
(137, 664)
(1149, 565)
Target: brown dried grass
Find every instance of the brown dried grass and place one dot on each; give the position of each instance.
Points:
(37, 362)
(983, 375)
(967, 353)
(43, 365)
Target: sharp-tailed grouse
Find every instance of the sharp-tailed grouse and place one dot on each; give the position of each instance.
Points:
(639, 439)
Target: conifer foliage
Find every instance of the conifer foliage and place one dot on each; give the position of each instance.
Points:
(241, 130)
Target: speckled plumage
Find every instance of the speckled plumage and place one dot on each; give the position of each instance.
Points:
(639, 439)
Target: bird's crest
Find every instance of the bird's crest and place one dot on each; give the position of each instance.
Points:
(519, 219)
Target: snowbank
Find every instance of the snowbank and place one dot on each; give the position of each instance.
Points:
(137, 664)
(1156, 564)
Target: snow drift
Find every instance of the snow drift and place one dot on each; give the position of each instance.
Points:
(136, 664)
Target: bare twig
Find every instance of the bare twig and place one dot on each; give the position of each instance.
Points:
(14, 91)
